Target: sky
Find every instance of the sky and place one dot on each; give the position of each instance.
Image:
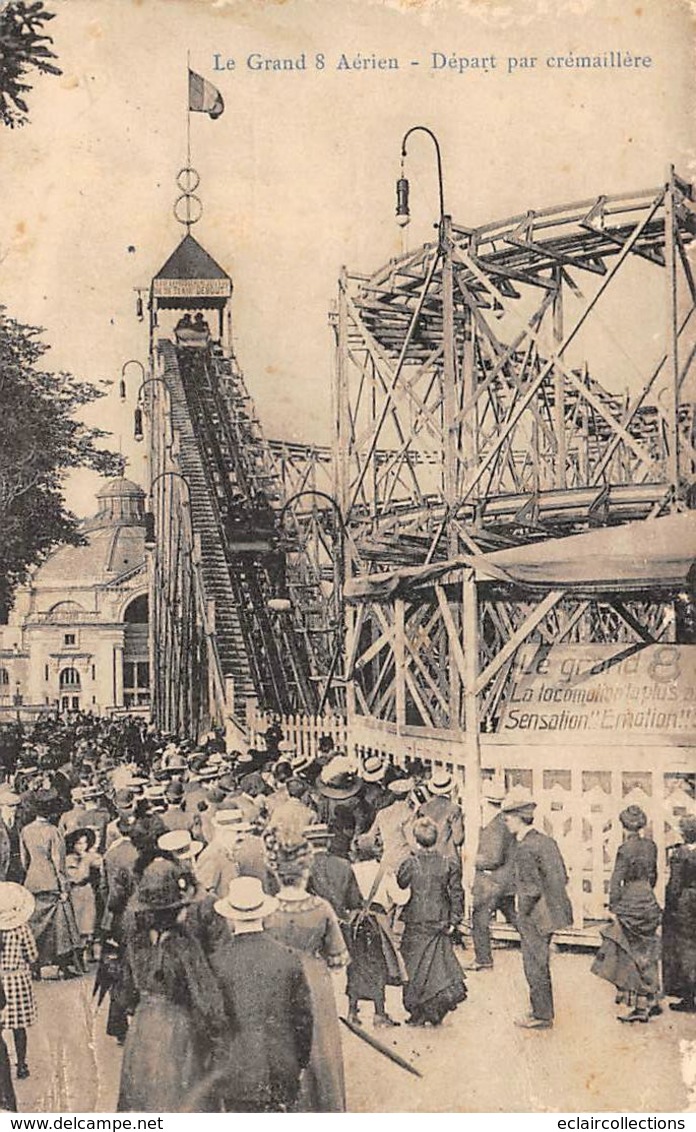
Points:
(297, 176)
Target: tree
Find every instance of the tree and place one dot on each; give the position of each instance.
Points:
(41, 439)
(22, 48)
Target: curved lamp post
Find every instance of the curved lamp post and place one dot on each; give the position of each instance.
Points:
(124, 367)
(403, 214)
(138, 412)
(284, 605)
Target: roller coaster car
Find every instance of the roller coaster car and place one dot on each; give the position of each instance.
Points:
(250, 534)
(192, 339)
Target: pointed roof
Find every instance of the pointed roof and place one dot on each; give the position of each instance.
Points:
(191, 261)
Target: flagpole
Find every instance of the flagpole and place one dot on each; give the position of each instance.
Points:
(188, 110)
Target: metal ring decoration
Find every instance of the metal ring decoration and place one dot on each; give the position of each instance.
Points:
(188, 173)
(188, 219)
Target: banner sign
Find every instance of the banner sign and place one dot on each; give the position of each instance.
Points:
(623, 690)
(191, 288)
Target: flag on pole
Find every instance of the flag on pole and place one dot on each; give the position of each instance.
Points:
(203, 96)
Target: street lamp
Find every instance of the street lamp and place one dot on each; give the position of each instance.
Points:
(124, 367)
(403, 214)
(18, 700)
(138, 432)
(283, 604)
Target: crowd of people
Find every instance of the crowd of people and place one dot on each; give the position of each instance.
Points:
(218, 896)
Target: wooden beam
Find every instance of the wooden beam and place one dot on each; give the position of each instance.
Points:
(528, 625)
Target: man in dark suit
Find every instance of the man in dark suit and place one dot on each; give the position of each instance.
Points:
(493, 886)
(543, 906)
(267, 1000)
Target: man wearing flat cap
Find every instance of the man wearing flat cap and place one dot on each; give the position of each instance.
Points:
(543, 907)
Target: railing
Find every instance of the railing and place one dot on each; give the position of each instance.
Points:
(303, 731)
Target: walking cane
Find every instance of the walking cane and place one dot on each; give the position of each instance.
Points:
(384, 1050)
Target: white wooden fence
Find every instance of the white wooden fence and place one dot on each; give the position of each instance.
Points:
(303, 731)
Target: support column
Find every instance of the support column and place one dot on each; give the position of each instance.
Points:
(400, 663)
(558, 385)
(672, 343)
(118, 675)
(449, 380)
(472, 740)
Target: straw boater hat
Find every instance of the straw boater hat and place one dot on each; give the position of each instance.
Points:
(231, 819)
(180, 844)
(401, 786)
(374, 768)
(301, 762)
(493, 790)
(8, 796)
(516, 800)
(441, 781)
(16, 905)
(338, 779)
(245, 901)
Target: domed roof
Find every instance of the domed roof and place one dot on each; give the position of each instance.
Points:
(114, 541)
(121, 488)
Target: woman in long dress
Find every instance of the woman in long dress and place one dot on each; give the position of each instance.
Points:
(375, 958)
(53, 922)
(309, 924)
(435, 908)
(81, 865)
(679, 922)
(629, 953)
(173, 996)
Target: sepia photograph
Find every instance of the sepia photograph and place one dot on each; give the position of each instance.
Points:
(348, 558)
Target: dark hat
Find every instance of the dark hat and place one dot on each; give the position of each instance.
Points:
(72, 838)
(162, 886)
(687, 825)
(47, 802)
(633, 818)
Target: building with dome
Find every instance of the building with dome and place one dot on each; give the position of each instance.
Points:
(77, 635)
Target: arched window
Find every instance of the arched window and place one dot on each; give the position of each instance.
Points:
(66, 612)
(137, 612)
(69, 678)
(4, 677)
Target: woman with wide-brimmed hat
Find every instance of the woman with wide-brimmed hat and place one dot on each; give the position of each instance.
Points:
(18, 952)
(679, 921)
(629, 954)
(173, 996)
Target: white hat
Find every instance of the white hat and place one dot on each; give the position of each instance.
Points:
(155, 793)
(16, 905)
(231, 819)
(493, 790)
(8, 796)
(401, 786)
(286, 747)
(374, 768)
(440, 781)
(246, 900)
(180, 844)
(301, 762)
(518, 798)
